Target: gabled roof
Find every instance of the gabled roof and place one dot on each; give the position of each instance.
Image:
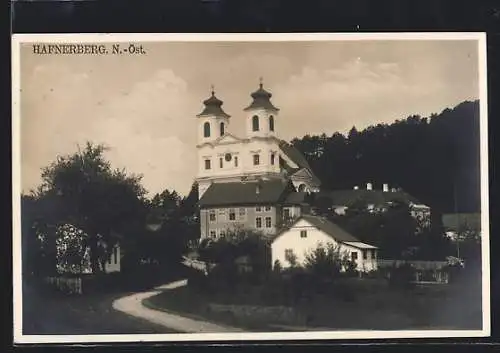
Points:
(239, 193)
(295, 198)
(374, 197)
(328, 227)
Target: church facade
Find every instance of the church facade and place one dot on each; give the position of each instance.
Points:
(256, 181)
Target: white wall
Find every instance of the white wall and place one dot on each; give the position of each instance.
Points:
(263, 123)
(291, 240)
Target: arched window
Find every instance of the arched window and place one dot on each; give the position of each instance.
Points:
(206, 129)
(271, 123)
(255, 123)
(221, 129)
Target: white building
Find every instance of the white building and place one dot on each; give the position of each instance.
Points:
(308, 232)
(244, 180)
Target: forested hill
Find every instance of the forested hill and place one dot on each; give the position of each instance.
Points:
(425, 156)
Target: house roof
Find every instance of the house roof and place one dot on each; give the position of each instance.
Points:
(452, 221)
(331, 229)
(238, 193)
(295, 198)
(375, 197)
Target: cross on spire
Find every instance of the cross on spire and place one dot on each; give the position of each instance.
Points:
(260, 81)
(212, 88)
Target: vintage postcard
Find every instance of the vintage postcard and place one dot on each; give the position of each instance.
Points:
(246, 187)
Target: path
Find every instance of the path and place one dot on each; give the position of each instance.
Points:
(132, 305)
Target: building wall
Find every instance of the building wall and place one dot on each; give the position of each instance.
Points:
(243, 150)
(245, 218)
(291, 240)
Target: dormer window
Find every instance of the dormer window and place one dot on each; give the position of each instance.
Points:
(255, 123)
(271, 123)
(206, 129)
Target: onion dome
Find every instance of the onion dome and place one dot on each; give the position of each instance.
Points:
(261, 100)
(213, 107)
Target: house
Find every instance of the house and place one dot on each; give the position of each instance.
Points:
(263, 206)
(374, 200)
(256, 181)
(309, 231)
(452, 222)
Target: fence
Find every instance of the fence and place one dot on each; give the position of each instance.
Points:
(418, 265)
(196, 264)
(70, 285)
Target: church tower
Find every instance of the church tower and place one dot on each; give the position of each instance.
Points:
(260, 122)
(261, 114)
(212, 121)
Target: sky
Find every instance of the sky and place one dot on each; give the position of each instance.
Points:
(143, 107)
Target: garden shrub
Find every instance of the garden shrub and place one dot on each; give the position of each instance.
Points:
(402, 276)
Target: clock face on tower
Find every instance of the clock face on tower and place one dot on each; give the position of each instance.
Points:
(228, 157)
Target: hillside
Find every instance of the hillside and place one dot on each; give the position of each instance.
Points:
(432, 158)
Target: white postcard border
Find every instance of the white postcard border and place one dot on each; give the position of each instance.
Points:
(17, 39)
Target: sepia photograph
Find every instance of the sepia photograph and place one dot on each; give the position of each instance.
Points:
(221, 187)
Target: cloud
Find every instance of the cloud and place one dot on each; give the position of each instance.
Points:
(144, 125)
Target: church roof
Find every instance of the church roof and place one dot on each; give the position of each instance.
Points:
(298, 158)
(261, 100)
(244, 193)
(213, 106)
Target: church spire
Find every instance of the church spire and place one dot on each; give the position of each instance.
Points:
(261, 99)
(213, 106)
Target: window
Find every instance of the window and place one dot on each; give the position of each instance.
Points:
(235, 161)
(232, 215)
(271, 123)
(256, 159)
(213, 234)
(206, 129)
(258, 209)
(242, 211)
(267, 208)
(221, 129)
(221, 163)
(212, 216)
(354, 255)
(115, 254)
(374, 254)
(286, 213)
(288, 253)
(207, 164)
(303, 233)
(222, 234)
(255, 123)
(272, 158)
(365, 254)
(268, 222)
(258, 222)
(109, 259)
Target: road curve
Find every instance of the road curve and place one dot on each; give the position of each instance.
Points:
(132, 305)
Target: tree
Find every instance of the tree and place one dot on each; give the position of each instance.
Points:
(328, 261)
(85, 191)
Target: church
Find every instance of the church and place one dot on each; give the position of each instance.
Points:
(256, 181)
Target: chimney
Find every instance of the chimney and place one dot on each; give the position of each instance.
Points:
(385, 187)
(369, 186)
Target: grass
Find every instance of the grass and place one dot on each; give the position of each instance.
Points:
(355, 305)
(49, 312)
